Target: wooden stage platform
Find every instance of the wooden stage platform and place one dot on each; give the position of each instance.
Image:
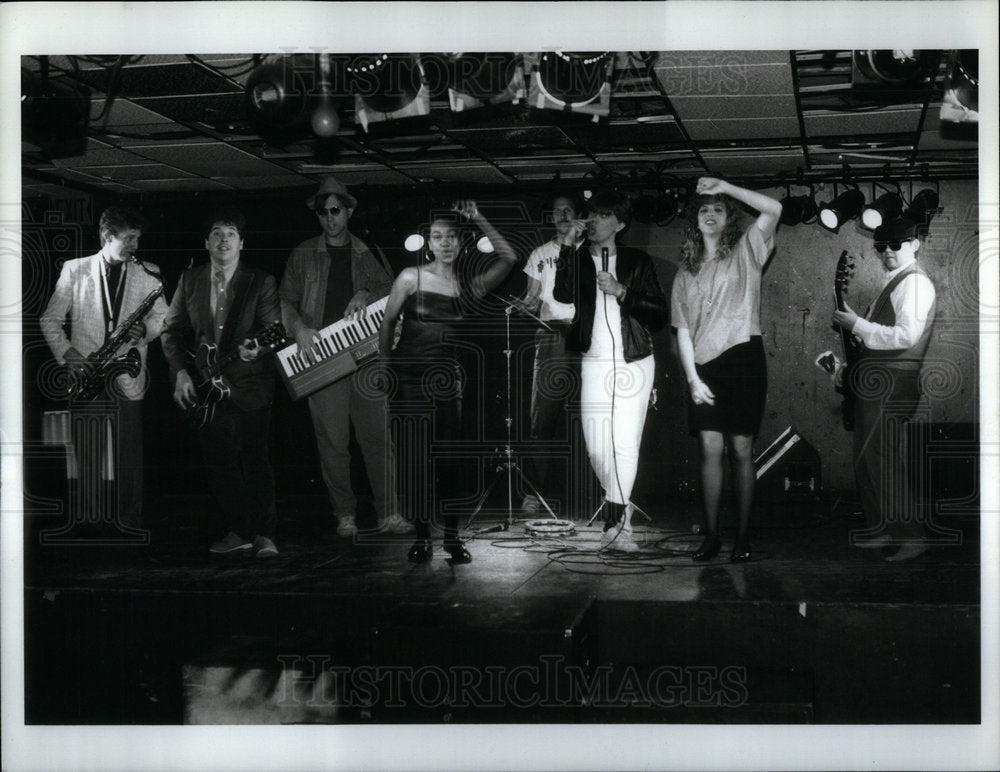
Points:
(812, 630)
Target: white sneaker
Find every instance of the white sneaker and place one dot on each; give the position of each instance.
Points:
(346, 526)
(394, 524)
(619, 539)
(265, 547)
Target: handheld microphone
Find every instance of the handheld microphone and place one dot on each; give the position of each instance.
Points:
(604, 259)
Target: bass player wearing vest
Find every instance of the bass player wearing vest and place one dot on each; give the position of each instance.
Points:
(885, 380)
(226, 303)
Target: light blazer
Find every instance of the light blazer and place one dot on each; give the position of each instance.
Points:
(78, 302)
(189, 324)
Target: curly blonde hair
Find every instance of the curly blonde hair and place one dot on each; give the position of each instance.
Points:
(693, 249)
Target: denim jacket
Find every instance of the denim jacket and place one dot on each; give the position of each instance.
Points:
(303, 286)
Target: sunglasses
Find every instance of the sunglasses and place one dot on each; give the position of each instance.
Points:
(880, 247)
(331, 211)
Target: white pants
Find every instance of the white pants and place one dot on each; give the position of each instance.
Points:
(613, 434)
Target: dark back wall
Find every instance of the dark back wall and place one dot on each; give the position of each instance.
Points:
(796, 308)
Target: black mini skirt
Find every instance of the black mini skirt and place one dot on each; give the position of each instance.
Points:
(738, 379)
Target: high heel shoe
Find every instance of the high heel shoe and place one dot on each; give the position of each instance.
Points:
(458, 552)
(741, 551)
(709, 549)
(420, 552)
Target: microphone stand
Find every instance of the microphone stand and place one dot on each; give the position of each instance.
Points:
(509, 466)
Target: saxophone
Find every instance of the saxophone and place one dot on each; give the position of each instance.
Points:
(105, 363)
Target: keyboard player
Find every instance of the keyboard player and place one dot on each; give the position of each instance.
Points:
(330, 277)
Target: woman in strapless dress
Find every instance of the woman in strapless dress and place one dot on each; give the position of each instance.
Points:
(426, 398)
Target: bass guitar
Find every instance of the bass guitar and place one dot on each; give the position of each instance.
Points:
(852, 347)
(211, 384)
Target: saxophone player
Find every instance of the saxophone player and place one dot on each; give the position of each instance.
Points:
(93, 297)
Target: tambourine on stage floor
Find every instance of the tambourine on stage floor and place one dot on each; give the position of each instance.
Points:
(535, 629)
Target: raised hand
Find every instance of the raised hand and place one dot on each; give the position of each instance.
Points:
(710, 186)
(467, 208)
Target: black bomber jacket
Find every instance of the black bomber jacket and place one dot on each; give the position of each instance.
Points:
(644, 309)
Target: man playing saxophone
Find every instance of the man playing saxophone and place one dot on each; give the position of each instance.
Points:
(100, 299)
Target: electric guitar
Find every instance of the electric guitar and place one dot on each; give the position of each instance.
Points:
(211, 385)
(852, 347)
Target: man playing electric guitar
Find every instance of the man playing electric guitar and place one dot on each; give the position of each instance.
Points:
(212, 384)
(894, 335)
(226, 304)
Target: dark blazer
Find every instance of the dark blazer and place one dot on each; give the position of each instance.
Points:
(189, 324)
(644, 308)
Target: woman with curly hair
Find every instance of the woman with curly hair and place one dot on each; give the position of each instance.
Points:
(433, 300)
(715, 307)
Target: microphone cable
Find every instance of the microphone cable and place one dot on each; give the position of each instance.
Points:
(614, 388)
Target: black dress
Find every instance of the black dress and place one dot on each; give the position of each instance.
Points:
(426, 407)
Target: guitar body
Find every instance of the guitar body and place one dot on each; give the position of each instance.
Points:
(852, 347)
(211, 388)
(211, 385)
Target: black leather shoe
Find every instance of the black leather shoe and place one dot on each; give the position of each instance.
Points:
(420, 552)
(458, 552)
(709, 549)
(741, 551)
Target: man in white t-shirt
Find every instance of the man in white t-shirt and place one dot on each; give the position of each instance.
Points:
(556, 373)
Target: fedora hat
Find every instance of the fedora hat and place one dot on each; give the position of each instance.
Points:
(899, 229)
(331, 185)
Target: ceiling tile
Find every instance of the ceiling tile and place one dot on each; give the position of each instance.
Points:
(100, 155)
(479, 173)
(270, 181)
(375, 176)
(750, 162)
(136, 172)
(187, 183)
(848, 124)
(760, 106)
(122, 112)
(198, 108)
(209, 159)
(539, 169)
(742, 128)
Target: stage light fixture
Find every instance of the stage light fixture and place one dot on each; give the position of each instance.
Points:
(798, 209)
(666, 208)
(474, 79)
(843, 208)
(644, 208)
(923, 207)
(413, 243)
(387, 87)
(484, 245)
(961, 88)
(893, 66)
(578, 82)
(276, 94)
(886, 207)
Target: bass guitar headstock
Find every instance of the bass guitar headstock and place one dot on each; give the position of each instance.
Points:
(845, 272)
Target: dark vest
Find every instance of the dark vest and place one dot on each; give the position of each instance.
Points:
(883, 313)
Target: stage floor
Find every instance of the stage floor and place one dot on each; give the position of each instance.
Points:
(811, 630)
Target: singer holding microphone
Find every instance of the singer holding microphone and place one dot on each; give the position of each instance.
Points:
(715, 308)
(619, 304)
(434, 300)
